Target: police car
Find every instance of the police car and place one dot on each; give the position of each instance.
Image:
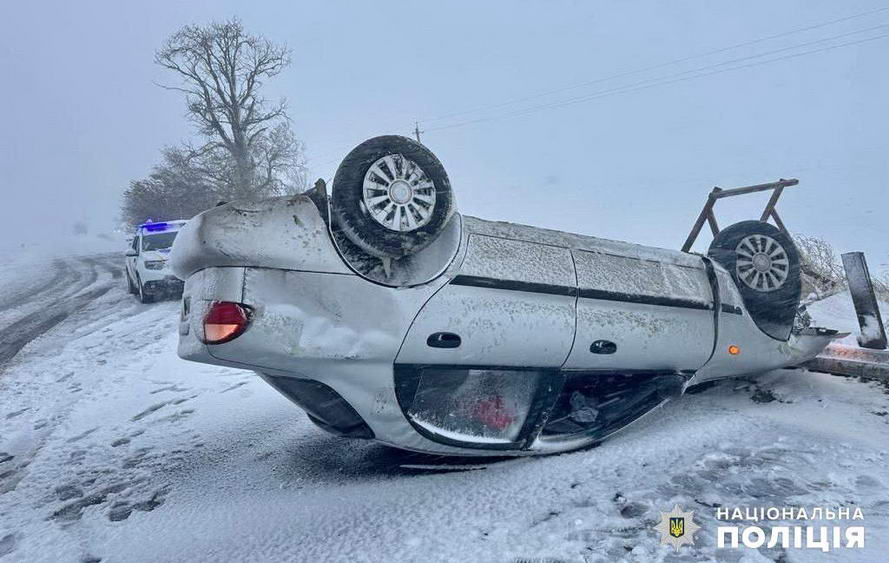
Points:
(147, 271)
(385, 314)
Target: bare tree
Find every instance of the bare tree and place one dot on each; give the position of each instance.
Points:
(175, 189)
(820, 268)
(822, 271)
(281, 166)
(881, 285)
(249, 146)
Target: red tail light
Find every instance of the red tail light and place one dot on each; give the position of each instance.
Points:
(225, 321)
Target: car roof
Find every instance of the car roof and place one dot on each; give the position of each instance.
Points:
(156, 227)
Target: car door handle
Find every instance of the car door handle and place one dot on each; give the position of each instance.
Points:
(443, 340)
(603, 347)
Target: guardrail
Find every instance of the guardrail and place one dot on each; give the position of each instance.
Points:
(850, 361)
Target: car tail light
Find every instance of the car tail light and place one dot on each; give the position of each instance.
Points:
(225, 321)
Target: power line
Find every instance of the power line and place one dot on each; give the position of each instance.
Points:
(657, 66)
(651, 82)
(676, 77)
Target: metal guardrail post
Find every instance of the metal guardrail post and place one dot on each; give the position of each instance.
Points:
(873, 333)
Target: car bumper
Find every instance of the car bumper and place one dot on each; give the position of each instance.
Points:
(167, 284)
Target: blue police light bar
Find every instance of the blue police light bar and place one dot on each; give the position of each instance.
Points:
(153, 227)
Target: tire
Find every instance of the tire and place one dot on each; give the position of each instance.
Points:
(131, 289)
(144, 297)
(765, 265)
(391, 196)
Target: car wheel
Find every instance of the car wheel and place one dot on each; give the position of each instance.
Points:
(144, 297)
(765, 264)
(391, 196)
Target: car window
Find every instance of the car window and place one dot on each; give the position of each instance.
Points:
(158, 241)
(136, 244)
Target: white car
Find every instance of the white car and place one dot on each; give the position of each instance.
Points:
(147, 268)
(385, 314)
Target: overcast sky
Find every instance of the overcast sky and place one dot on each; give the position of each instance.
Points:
(82, 116)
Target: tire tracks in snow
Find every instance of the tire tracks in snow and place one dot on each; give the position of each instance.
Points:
(97, 300)
(74, 285)
(19, 295)
(56, 453)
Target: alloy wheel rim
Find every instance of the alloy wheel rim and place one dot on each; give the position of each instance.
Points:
(762, 263)
(397, 193)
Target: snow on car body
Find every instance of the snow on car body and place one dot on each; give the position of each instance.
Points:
(147, 268)
(492, 338)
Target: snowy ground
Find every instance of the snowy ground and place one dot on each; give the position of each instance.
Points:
(112, 448)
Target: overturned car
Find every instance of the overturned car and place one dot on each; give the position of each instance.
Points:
(385, 314)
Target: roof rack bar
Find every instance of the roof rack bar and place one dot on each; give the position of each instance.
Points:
(719, 193)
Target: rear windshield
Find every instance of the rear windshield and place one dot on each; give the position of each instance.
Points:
(158, 241)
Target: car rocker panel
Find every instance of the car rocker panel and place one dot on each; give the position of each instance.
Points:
(493, 338)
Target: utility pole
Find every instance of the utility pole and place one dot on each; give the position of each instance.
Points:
(417, 131)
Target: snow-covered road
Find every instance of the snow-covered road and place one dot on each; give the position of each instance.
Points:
(38, 303)
(113, 448)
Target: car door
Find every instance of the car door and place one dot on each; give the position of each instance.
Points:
(641, 314)
(480, 362)
(131, 260)
(511, 304)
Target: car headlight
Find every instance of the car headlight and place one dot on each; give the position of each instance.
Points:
(154, 264)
